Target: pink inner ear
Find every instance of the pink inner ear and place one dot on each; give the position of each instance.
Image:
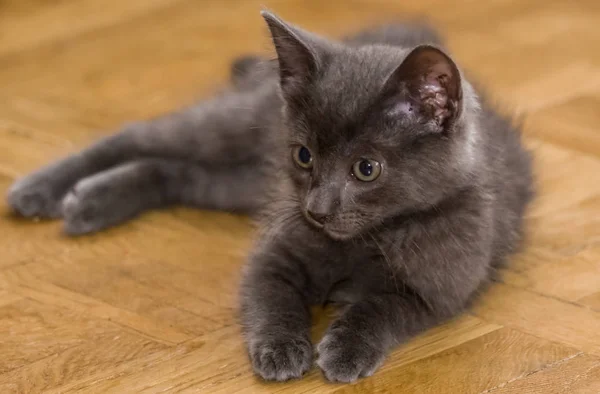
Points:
(435, 96)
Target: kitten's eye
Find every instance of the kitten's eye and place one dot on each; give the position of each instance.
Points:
(302, 157)
(366, 170)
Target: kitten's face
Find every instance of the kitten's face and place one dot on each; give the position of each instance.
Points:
(369, 129)
(342, 190)
(351, 179)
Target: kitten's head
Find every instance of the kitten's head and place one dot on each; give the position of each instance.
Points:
(374, 131)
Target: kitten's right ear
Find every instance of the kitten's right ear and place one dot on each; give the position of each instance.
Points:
(427, 84)
(296, 49)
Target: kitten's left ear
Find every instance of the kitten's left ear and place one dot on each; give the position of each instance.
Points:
(299, 52)
(427, 85)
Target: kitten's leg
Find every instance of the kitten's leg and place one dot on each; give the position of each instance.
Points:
(356, 344)
(250, 72)
(224, 131)
(115, 195)
(447, 265)
(276, 320)
(243, 67)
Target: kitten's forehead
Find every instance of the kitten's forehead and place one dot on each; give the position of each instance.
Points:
(348, 88)
(354, 77)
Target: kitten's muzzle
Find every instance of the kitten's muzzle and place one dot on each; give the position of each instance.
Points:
(324, 223)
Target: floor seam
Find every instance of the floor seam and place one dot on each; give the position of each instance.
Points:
(527, 374)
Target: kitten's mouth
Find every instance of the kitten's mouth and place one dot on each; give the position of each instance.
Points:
(337, 235)
(326, 228)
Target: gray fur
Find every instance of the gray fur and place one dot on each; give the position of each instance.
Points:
(400, 254)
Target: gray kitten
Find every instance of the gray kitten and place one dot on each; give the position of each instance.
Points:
(388, 187)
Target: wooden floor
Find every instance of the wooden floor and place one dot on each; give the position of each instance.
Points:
(151, 306)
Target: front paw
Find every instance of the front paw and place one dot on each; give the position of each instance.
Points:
(281, 358)
(37, 195)
(95, 203)
(345, 356)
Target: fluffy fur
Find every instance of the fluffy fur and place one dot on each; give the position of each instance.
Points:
(402, 252)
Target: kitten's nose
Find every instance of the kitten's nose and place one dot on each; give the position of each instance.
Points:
(321, 203)
(319, 217)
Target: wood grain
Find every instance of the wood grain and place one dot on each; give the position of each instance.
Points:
(545, 317)
(579, 374)
(509, 353)
(150, 306)
(107, 350)
(568, 277)
(592, 301)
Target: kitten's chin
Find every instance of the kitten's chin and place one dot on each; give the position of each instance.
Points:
(334, 233)
(337, 235)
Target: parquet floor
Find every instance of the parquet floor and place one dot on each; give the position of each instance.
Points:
(150, 306)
